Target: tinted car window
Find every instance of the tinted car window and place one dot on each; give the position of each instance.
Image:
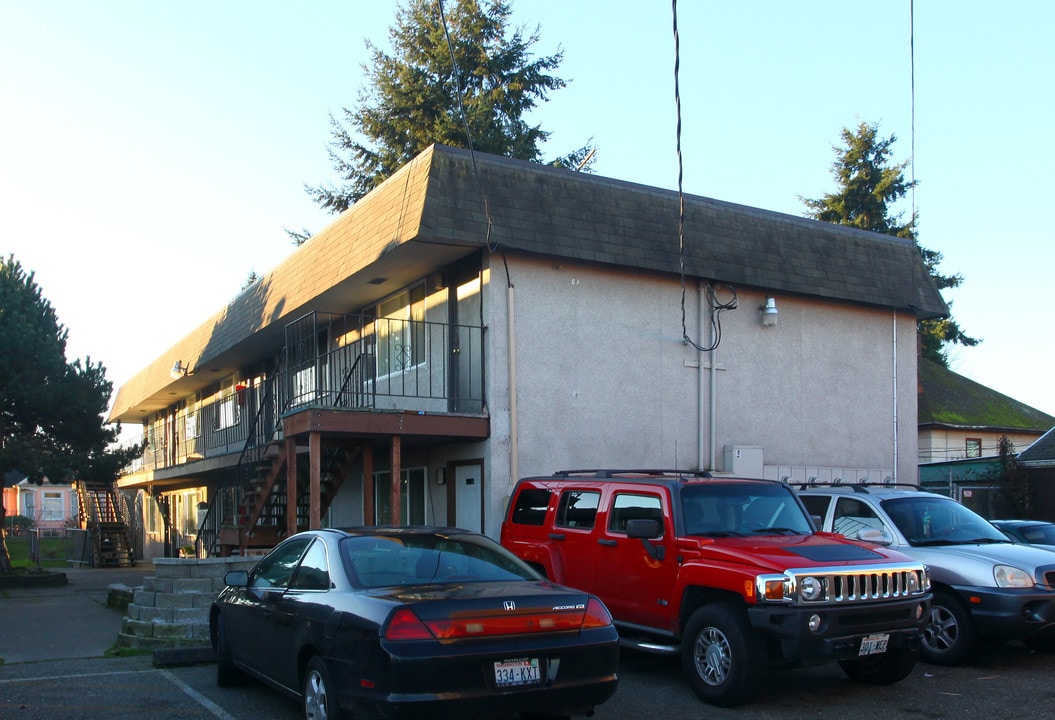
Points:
(815, 504)
(628, 506)
(313, 573)
(274, 570)
(530, 508)
(383, 561)
(743, 507)
(938, 521)
(852, 516)
(577, 509)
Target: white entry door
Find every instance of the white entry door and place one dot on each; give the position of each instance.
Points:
(468, 496)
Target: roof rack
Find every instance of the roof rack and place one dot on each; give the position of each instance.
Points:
(861, 486)
(609, 473)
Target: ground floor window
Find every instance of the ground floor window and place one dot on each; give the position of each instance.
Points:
(412, 493)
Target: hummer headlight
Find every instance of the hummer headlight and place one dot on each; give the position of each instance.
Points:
(811, 589)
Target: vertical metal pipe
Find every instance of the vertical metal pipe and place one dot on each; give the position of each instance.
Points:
(511, 349)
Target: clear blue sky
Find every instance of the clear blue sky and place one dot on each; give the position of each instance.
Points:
(151, 153)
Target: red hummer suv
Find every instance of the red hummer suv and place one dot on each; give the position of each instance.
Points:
(731, 573)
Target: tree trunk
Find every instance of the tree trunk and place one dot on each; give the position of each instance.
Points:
(5, 558)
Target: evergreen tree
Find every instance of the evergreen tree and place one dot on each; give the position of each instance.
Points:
(51, 411)
(415, 96)
(869, 185)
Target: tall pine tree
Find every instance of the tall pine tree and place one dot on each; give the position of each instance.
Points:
(51, 411)
(869, 185)
(415, 96)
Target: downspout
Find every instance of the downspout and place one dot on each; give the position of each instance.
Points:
(707, 377)
(893, 334)
(514, 474)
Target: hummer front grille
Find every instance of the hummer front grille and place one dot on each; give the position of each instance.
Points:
(843, 586)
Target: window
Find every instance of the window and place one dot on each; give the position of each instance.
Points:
(274, 570)
(577, 509)
(401, 331)
(411, 493)
(852, 516)
(530, 508)
(229, 414)
(634, 507)
(974, 447)
(52, 507)
(313, 573)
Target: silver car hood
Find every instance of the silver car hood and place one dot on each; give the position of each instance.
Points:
(973, 564)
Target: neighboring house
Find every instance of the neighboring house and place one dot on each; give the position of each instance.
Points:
(476, 319)
(962, 419)
(51, 508)
(1039, 461)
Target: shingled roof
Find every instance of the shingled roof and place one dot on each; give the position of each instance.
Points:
(435, 210)
(1042, 452)
(552, 211)
(947, 398)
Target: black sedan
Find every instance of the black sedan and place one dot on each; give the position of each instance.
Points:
(412, 622)
(1034, 532)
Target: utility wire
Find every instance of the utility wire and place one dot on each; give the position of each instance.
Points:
(717, 308)
(465, 123)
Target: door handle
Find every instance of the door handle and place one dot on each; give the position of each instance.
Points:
(607, 543)
(556, 536)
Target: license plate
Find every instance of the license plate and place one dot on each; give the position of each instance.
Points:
(874, 644)
(513, 673)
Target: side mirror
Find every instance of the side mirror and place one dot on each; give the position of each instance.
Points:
(236, 578)
(643, 528)
(875, 535)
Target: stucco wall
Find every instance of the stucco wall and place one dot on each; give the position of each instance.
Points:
(604, 379)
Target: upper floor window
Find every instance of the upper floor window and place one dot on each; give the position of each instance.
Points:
(974, 447)
(401, 331)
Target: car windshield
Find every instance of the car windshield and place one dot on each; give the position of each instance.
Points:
(1038, 534)
(734, 509)
(939, 521)
(383, 560)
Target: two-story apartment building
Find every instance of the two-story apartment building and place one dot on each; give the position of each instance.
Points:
(475, 319)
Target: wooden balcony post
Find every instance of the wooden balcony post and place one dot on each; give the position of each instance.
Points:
(369, 515)
(397, 514)
(315, 480)
(291, 485)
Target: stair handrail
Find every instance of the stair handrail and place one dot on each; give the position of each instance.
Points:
(205, 544)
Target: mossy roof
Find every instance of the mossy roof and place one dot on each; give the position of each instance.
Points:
(948, 398)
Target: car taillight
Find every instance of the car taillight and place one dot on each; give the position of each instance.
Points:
(597, 615)
(405, 625)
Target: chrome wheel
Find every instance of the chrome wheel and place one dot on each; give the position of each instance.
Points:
(713, 656)
(318, 705)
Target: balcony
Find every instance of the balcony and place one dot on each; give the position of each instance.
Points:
(342, 363)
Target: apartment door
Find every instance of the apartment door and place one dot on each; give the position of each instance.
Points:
(466, 498)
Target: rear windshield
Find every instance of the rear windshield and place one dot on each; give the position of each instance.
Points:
(425, 559)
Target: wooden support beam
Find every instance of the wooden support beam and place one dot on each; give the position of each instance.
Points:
(291, 485)
(397, 476)
(315, 481)
(369, 516)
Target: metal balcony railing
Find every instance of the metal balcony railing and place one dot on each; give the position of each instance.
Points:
(351, 362)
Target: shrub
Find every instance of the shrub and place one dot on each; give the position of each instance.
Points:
(18, 524)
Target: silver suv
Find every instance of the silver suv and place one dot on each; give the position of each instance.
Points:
(986, 588)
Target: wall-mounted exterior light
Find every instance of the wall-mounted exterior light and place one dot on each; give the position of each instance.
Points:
(769, 312)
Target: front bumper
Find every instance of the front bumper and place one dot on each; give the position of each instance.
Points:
(1009, 613)
(841, 629)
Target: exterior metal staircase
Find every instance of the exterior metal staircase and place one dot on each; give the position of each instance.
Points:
(103, 511)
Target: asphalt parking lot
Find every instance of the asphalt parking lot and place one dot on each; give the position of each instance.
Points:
(52, 643)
